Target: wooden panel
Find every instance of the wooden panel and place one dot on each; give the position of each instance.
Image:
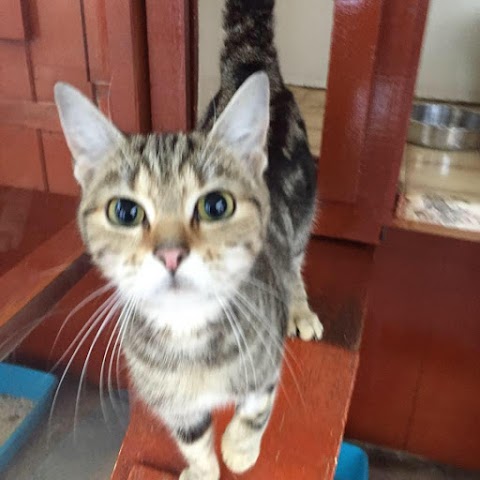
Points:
(354, 43)
(368, 104)
(38, 115)
(129, 95)
(11, 20)
(171, 50)
(14, 80)
(27, 219)
(20, 158)
(418, 384)
(57, 47)
(97, 44)
(59, 165)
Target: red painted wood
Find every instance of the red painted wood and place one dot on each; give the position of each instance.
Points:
(14, 80)
(17, 168)
(141, 472)
(58, 164)
(20, 231)
(303, 436)
(374, 57)
(127, 50)
(36, 115)
(99, 47)
(418, 385)
(11, 20)
(171, 63)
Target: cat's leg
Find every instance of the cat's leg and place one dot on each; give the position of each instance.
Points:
(242, 438)
(302, 320)
(194, 436)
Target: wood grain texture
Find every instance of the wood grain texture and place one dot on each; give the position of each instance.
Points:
(36, 115)
(172, 63)
(57, 47)
(418, 384)
(17, 167)
(58, 163)
(11, 20)
(374, 58)
(127, 53)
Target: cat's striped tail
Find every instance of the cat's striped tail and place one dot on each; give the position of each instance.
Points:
(249, 43)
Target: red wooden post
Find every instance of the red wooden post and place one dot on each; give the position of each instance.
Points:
(172, 44)
(374, 57)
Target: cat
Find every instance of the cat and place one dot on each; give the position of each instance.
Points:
(203, 234)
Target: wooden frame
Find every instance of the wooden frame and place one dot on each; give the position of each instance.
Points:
(374, 58)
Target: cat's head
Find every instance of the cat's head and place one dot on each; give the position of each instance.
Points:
(173, 219)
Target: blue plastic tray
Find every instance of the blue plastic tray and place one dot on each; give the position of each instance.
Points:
(352, 463)
(34, 385)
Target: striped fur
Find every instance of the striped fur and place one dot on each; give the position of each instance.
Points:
(217, 337)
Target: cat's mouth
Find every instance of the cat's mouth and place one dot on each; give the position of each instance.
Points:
(174, 284)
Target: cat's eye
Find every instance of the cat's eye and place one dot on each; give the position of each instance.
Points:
(125, 212)
(216, 205)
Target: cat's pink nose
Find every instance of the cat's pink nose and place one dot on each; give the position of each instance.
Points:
(171, 257)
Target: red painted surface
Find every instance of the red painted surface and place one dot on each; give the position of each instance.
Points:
(172, 44)
(296, 444)
(374, 57)
(418, 383)
(11, 20)
(97, 47)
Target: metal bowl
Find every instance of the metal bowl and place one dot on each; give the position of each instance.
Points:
(444, 127)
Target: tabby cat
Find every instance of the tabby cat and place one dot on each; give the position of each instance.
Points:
(203, 234)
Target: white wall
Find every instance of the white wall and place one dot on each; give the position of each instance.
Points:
(303, 32)
(450, 62)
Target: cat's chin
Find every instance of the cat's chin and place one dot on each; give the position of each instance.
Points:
(181, 311)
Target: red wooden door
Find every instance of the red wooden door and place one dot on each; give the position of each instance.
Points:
(98, 46)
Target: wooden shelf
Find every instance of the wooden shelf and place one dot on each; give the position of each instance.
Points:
(435, 229)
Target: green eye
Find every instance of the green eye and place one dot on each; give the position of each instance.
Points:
(125, 212)
(216, 205)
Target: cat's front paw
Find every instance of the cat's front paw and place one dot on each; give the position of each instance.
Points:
(305, 324)
(192, 473)
(239, 454)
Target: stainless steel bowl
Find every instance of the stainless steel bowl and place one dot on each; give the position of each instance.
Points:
(444, 127)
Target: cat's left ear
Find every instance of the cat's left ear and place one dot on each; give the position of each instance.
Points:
(243, 125)
(90, 136)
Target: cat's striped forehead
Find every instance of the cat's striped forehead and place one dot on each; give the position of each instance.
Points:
(167, 157)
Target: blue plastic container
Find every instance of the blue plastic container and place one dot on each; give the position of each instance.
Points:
(352, 463)
(36, 386)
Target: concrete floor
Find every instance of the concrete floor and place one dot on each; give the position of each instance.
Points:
(392, 465)
(65, 449)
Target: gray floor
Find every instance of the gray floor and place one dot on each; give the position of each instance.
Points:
(392, 465)
(65, 449)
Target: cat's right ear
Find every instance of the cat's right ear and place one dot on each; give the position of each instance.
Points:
(90, 136)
